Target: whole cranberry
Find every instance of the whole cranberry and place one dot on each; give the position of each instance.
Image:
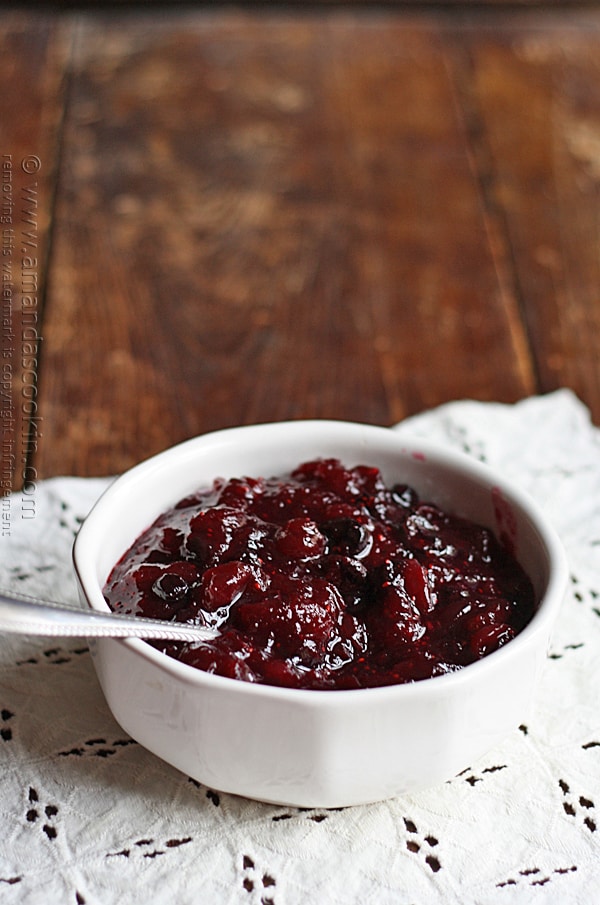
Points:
(212, 534)
(300, 538)
(222, 585)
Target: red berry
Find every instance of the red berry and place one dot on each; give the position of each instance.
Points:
(489, 638)
(417, 586)
(222, 585)
(285, 673)
(287, 625)
(395, 623)
(228, 657)
(212, 534)
(145, 576)
(300, 538)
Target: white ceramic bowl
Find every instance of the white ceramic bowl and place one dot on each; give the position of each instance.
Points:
(318, 748)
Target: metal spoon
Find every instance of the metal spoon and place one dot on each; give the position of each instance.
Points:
(29, 616)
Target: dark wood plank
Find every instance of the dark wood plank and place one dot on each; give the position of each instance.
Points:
(264, 217)
(535, 90)
(33, 52)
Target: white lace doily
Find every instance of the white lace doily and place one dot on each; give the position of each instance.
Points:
(88, 816)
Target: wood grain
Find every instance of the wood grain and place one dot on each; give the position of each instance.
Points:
(33, 54)
(263, 217)
(546, 182)
(254, 215)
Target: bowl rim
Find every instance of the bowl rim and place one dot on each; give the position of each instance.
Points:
(413, 446)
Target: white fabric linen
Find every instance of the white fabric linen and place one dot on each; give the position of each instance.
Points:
(88, 817)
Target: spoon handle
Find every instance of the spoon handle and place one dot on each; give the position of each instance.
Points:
(28, 616)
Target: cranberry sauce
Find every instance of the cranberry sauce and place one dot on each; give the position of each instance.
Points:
(324, 579)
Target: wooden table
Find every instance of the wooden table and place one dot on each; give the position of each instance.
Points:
(214, 216)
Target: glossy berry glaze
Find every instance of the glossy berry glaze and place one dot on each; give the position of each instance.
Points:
(324, 579)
